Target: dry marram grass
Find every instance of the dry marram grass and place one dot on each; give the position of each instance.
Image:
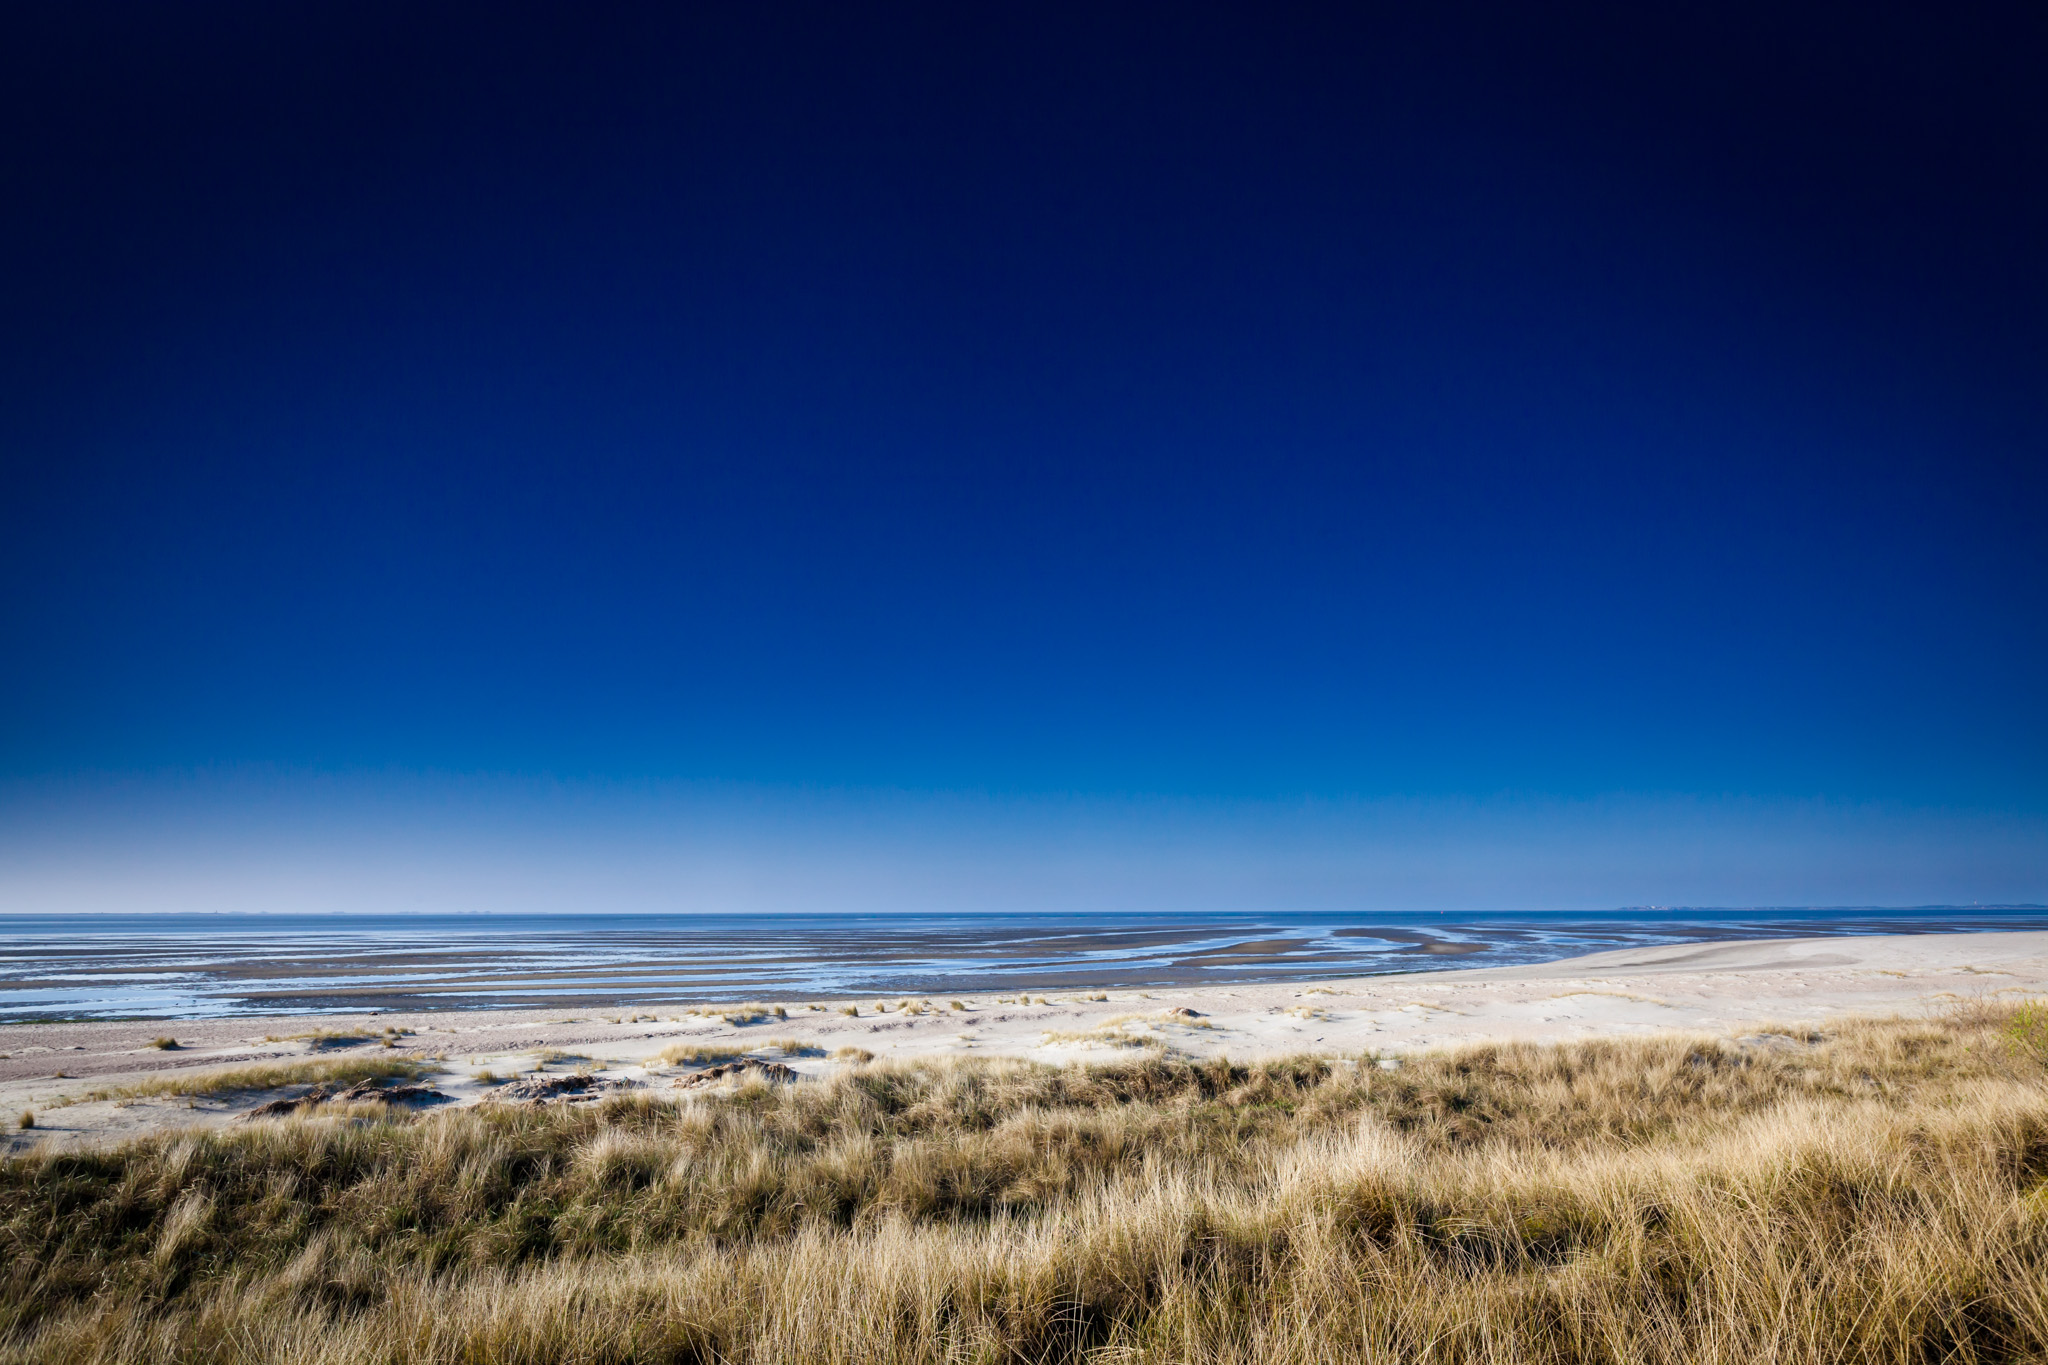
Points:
(1877, 1196)
(694, 1054)
(264, 1077)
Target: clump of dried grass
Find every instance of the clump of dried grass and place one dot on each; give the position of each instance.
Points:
(1105, 1035)
(795, 1047)
(322, 1039)
(271, 1076)
(697, 1054)
(740, 1016)
(1877, 1195)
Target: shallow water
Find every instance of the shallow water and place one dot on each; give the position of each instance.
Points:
(183, 966)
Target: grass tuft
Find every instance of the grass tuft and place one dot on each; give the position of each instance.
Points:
(696, 1054)
(270, 1077)
(2027, 1029)
(1097, 1038)
(322, 1040)
(796, 1047)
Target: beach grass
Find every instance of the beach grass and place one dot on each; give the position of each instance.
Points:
(272, 1076)
(795, 1047)
(696, 1054)
(741, 1016)
(1877, 1194)
(1104, 1035)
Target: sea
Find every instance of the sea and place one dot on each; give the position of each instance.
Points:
(111, 966)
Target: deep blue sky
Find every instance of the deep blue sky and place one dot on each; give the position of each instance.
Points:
(1179, 401)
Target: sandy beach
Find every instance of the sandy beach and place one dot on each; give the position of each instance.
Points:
(1730, 989)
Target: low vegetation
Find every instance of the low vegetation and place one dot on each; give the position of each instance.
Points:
(1105, 1036)
(795, 1047)
(696, 1054)
(1880, 1194)
(271, 1076)
(740, 1016)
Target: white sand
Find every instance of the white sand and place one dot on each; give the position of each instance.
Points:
(1719, 988)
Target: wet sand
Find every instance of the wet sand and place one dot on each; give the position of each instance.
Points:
(193, 966)
(1723, 988)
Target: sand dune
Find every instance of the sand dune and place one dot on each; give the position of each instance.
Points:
(1722, 988)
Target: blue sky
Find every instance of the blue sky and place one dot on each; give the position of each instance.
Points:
(480, 843)
(1482, 418)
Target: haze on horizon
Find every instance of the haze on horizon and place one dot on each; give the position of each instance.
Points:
(921, 458)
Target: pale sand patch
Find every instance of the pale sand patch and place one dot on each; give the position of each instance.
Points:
(1722, 988)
